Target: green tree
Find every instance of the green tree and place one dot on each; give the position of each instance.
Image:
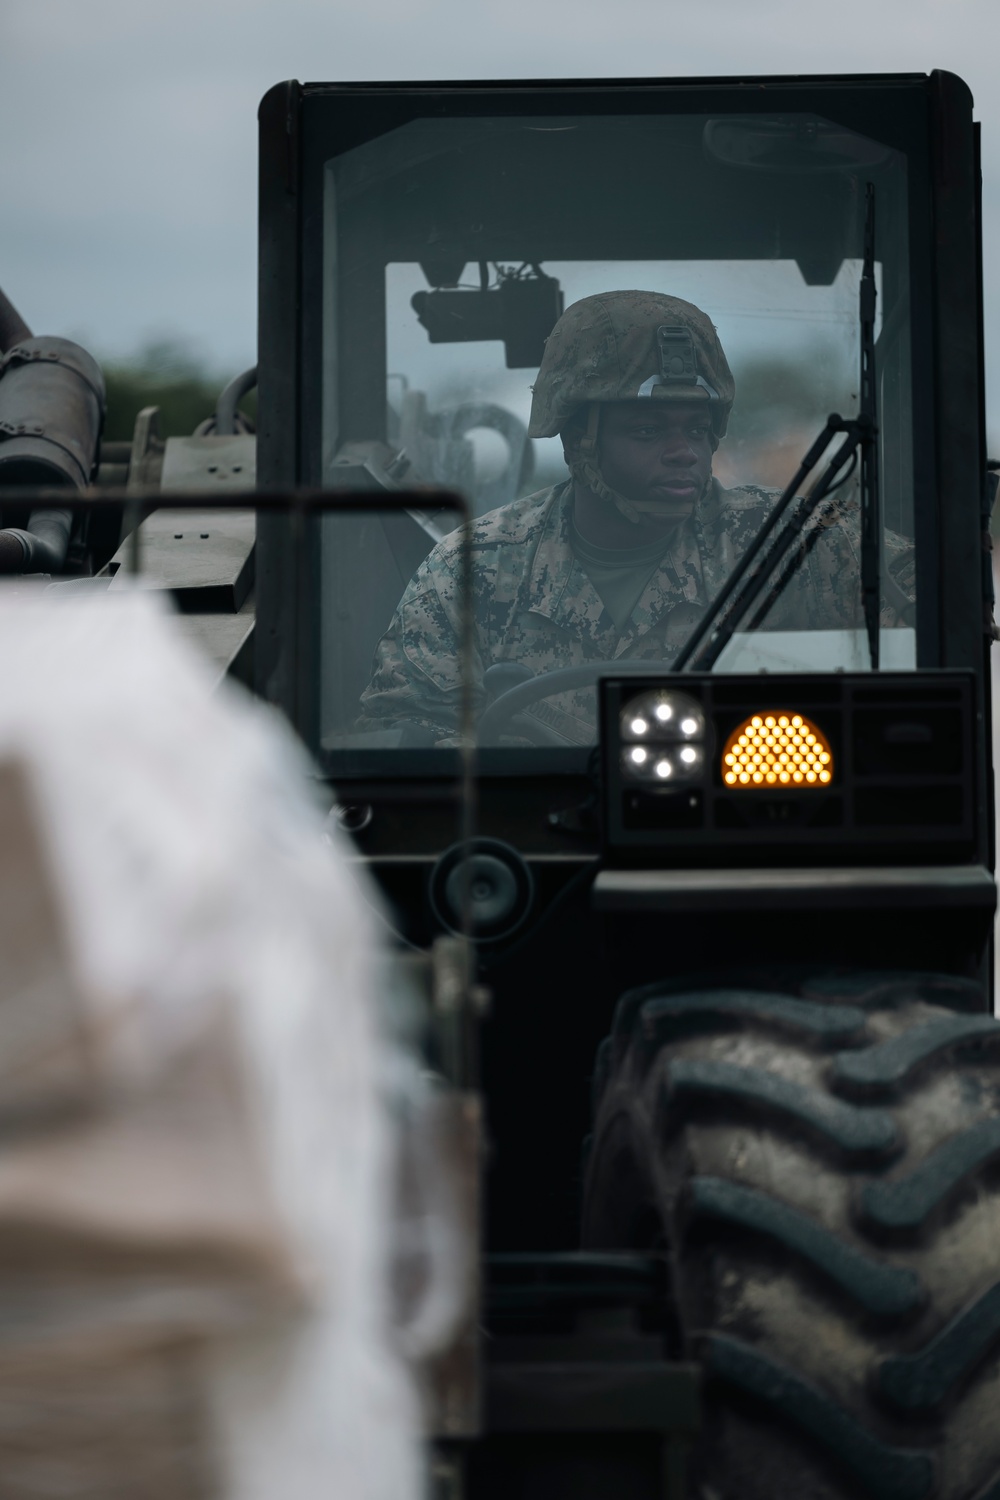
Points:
(783, 391)
(167, 374)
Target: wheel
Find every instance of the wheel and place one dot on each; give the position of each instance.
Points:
(820, 1161)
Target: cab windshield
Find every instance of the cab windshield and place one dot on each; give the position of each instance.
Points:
(454, 252)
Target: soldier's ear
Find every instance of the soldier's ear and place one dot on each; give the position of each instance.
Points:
(572, 435)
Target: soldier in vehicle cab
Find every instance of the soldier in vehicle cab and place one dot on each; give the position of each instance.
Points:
(619, 561)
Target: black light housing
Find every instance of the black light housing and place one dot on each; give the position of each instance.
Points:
(521, 312)
(789, 769)
(663, 738)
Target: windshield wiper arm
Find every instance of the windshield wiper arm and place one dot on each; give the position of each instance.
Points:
(745, 584)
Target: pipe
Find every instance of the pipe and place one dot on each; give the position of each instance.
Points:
(225, 411)
(40, 547)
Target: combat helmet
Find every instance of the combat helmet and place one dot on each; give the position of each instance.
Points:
(626, 346)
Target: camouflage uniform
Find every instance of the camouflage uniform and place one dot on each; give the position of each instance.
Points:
(534, 603)
(533, 600)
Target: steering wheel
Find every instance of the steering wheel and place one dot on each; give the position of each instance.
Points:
(512, 700)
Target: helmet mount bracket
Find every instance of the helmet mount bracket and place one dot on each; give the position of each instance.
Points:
(678, 367)
(677, 357)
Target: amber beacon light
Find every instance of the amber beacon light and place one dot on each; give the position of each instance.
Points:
(777, 750)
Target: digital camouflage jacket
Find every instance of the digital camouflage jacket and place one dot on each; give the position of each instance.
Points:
(534, 604)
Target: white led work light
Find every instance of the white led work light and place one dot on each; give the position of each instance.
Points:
(662, 738)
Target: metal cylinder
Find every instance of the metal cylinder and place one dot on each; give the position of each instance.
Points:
(51, 411)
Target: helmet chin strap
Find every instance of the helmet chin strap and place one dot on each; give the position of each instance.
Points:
(586, 470)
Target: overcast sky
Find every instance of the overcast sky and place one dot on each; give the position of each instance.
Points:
(128, 130)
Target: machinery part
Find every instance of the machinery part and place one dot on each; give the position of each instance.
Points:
(453, 424)
(495, 881)
(225, 411)
(203, 463)
(436, 450)
(51, 411)
(145, 462)
(40, 547)
(113, 470)
(522, 311)
(820, 1161)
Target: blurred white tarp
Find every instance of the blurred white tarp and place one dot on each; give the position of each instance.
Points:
(196, 1150)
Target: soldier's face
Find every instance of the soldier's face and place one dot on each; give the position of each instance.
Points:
(657, 453)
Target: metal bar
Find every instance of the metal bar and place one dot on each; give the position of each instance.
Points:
(425, 497)
(916, 886)
(871, 495)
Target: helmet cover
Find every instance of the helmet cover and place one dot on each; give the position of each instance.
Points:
(624, 346)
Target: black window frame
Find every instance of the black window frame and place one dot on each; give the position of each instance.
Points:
(928, 117)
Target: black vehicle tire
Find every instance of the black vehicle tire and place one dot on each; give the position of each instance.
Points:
(820, 1161)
